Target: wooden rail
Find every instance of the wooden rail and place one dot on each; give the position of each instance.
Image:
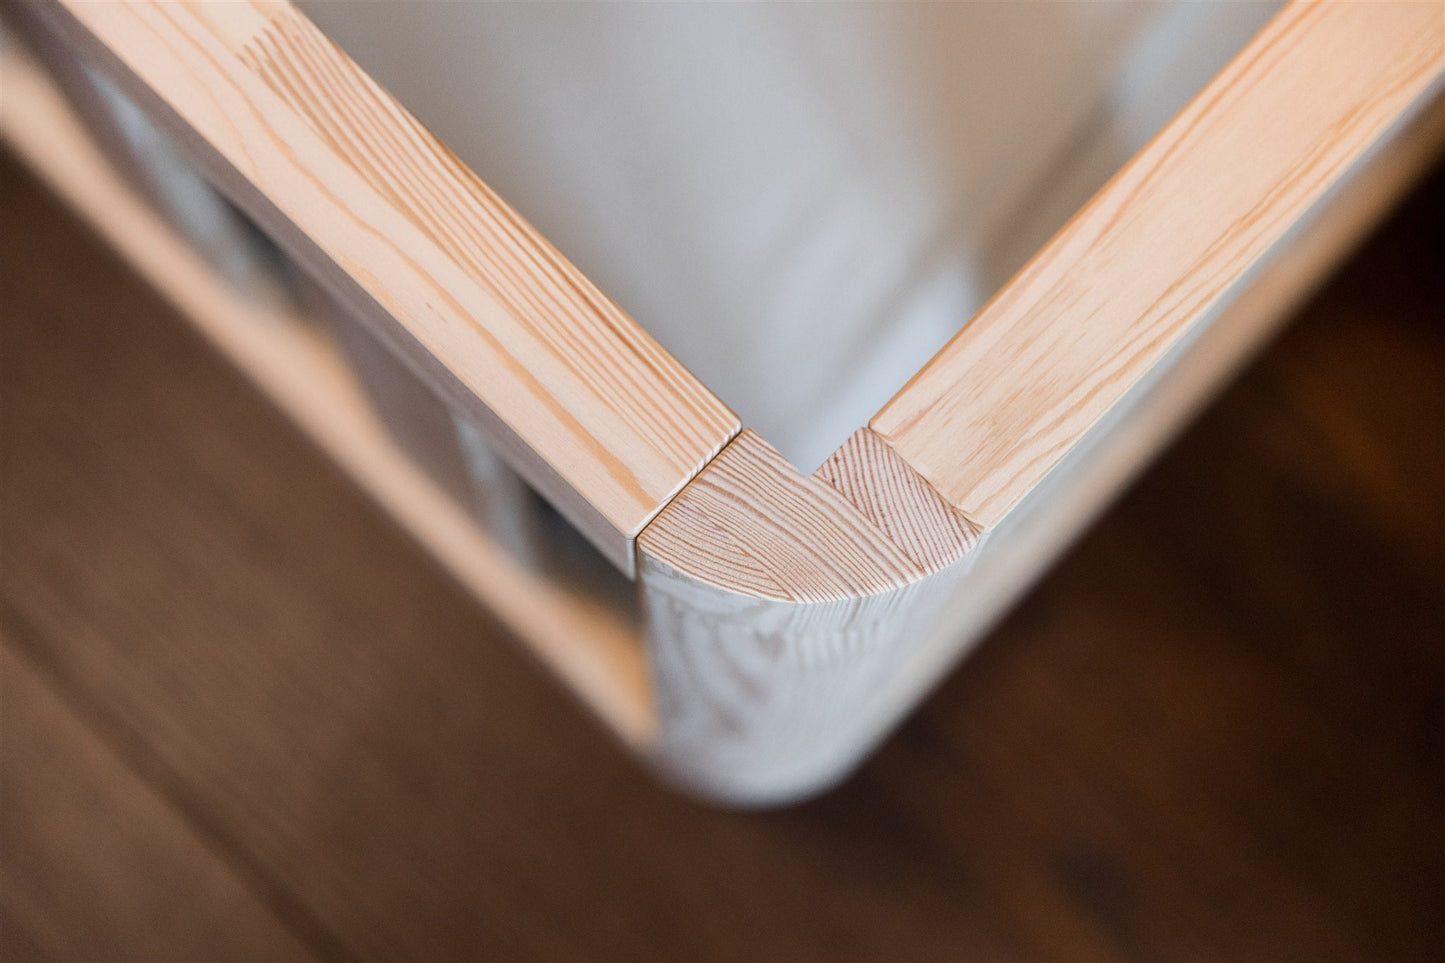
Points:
(579, 399)
(794, 620)
(789, 620)
(1152, 256)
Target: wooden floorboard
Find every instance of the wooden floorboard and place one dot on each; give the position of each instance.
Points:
(96, 864)
(1214, 730)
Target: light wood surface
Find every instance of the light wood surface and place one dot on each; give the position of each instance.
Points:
(589, 645)
(790, 621)
(1013, 554)
(754, 525)
(891, 495)
(574, 394)
(766, 693)
(1157, 250)
(1190, 741)
(777, 607)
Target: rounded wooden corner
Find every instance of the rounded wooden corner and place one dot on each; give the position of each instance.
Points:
(752, 527)
(780, 609)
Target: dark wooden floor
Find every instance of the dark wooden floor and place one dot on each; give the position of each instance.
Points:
(245, 717)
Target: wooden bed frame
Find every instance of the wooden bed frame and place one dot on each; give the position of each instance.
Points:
(787, 621)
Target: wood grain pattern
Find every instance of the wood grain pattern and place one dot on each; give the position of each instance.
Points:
(1156, 252)
(573, 393)
(589, 645)
(1191, 741)
(791, 620)
(762, 702)
(893, 496)
(79, 827)
(753, 525)
(759, 700)
(779, 609)
(1011, 555)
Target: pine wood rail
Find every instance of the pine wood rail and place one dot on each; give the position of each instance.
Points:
(790, 620)
(1146, 261)
(584, 403)
(283, 353)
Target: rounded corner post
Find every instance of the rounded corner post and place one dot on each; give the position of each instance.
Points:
(784, 615)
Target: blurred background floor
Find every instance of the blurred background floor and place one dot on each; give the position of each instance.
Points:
(245, 717)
